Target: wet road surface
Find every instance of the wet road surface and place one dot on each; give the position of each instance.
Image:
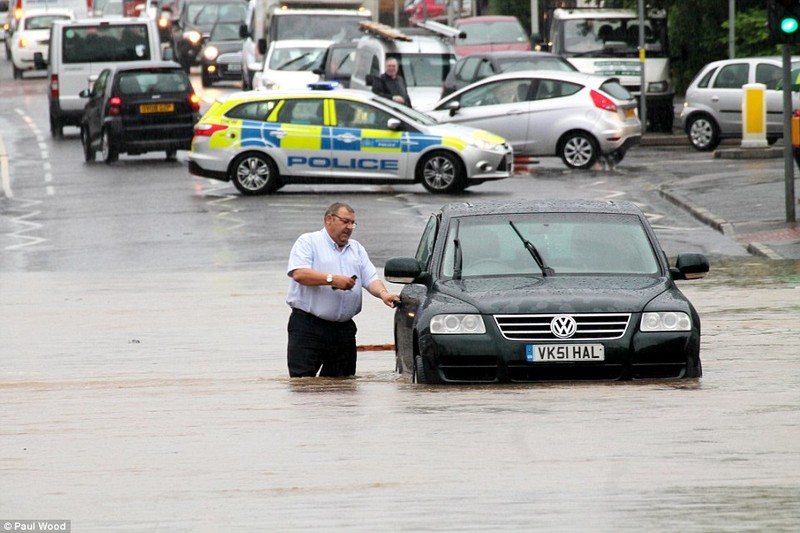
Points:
(160, 402)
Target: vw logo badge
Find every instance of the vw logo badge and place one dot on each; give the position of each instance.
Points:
(563, 326)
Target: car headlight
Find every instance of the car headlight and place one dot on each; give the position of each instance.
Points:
(480, 144)
(210, 53)
(193, 36)
(458, 324)
(666, 321)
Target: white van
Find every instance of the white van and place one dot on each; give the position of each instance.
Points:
(424, 59)
(81, 49)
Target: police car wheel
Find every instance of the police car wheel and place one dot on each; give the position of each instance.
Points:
(89, 152)
(110, 153)
(255, 174)
(579, 150)
(442, 172)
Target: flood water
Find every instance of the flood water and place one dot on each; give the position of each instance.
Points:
(160, 402)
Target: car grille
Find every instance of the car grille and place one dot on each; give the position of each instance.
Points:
(593, 326)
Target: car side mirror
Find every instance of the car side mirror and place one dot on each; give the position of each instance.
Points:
(262, 46)
(86, 93)
(403, 270)
(394, 124)
(453, 107)
(369, 79)
(319, 71)
(690, 266)
(243, 33)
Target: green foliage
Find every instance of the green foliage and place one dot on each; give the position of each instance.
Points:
(751, 34)
(518, 8)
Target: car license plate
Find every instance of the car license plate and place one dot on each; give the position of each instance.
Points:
(235, 67)
(630, 112)
(156, 108)
(564, 353)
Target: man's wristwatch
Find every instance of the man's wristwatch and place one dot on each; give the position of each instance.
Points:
(329, 279)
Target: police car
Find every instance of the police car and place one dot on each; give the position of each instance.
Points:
(263, 141)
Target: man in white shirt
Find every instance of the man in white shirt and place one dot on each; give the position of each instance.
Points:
(328, 269)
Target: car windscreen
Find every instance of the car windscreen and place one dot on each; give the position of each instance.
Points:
(296, 59)
(618, 37)
(103, 43)
(615, 89)
(406, 111)
(568, 243)
(205, 14)
(225, 31)
(42, 22)
(141, 82)
(504, 31)
(425, 70)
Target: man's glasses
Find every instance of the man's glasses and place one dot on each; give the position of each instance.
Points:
(345, 221)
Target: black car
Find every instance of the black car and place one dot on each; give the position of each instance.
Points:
(193, 26)
(337, 65)
(222, 54)
(475, 67)
(143, 106)
(527, 291)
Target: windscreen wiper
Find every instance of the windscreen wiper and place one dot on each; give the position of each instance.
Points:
(546, 270)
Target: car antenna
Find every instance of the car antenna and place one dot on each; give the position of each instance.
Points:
(546, 270)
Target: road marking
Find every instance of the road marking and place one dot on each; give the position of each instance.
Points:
(27, 226)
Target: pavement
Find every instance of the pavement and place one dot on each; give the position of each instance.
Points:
(751, 207)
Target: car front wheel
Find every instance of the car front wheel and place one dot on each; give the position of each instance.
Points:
(110, 152)
(424, 374)
(255, 174)
(703, 133)
(442, 173)
(579, 150)
(88, 151)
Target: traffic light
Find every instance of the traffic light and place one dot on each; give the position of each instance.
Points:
(783, 21)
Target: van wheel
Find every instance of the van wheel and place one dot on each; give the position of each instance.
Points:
(89, 152)
(442, 172)
(205, 79)
(110, 152)
(56, 127)
(254, 174)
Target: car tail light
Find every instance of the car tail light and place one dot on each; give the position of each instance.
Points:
(603, 102)
(207, 130)
(54, 86)
(194, 102)
(114, 105)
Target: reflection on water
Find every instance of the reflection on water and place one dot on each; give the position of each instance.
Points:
(197, 428)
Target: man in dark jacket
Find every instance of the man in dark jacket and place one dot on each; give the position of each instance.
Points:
(391, 85)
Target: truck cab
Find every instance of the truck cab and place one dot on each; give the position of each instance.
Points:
(606, 42)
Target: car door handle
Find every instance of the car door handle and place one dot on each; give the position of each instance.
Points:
(516, 111)
(280, 134)
(715, 98)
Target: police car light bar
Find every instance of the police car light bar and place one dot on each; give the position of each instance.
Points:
(442, 29)
(383, 31)
(323, 85)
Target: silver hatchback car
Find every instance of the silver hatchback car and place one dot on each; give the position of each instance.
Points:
(712, 110)
(576, 116)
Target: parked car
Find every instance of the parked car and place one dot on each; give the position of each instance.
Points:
(193, 26)
(4, 5)
(490, 33)
(337, 65)
(263, 140)
(478, 66)
(419, 10)
(526, 291)
(139, 107)
(291, 64)
(712, 109)
(576, 116)
(222, 54)
(32, 37)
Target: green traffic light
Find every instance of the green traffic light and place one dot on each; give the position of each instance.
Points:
(789, 25)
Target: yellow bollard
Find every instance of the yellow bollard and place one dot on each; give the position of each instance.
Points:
(754, 116)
